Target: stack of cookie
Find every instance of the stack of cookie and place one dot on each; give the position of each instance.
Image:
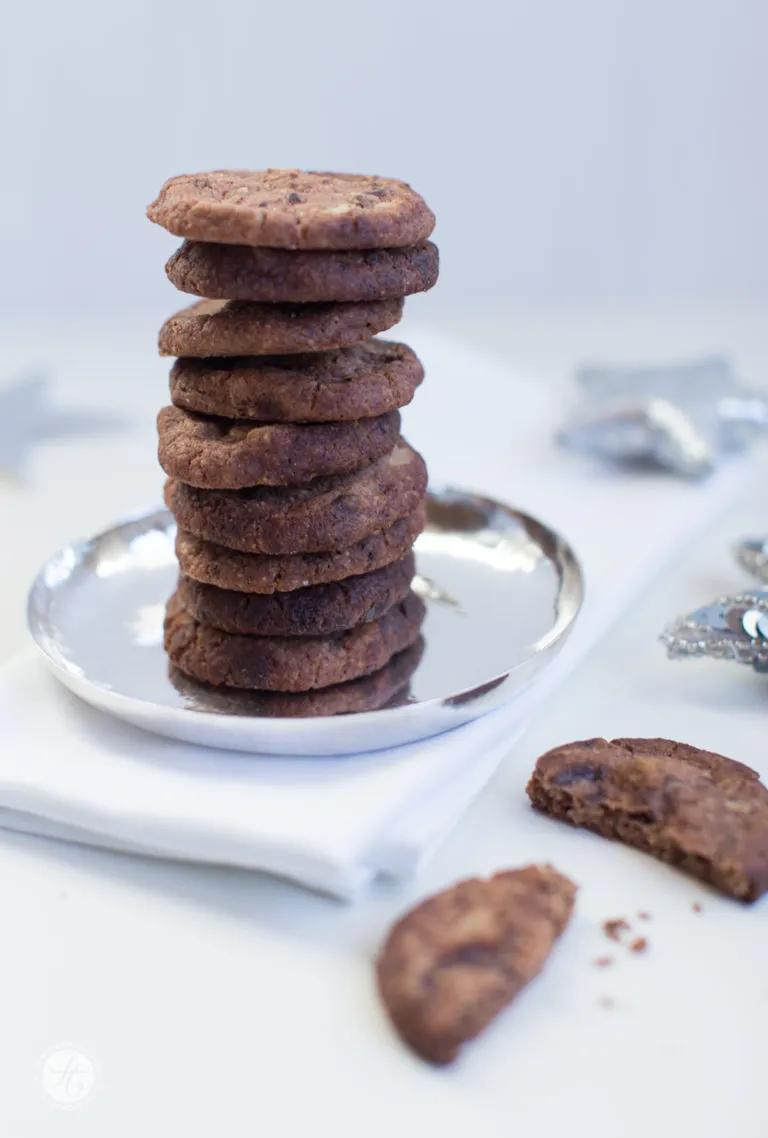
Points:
(296, 498)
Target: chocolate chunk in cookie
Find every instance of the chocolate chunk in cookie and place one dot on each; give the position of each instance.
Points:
(280, 276)
(228, 454)
(695, 809)
(293, 209)
(326, 514)
(318, 610)
(387, 687)
(240, 328)
(450, 965)
(259, 573)
(359, 382)
(280, 663)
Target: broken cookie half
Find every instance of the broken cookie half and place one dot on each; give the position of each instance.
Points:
(695, 809)
(450, 965)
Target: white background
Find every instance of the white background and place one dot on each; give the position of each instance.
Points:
(574, 150)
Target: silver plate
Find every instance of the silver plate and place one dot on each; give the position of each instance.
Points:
(502, 593)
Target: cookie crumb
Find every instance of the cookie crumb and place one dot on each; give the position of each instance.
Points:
(607, 1002)
(613, 929)
(696, 907)
(602, 961)
(639, 944)
(644, 916)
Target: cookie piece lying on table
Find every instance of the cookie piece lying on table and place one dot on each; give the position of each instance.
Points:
(232, 454)
(293, 209)
(695, 809)
(318, 610)
(212, 564)
(279, 276)
(280, 663)
(450, 965)
(351, 383)
(242, 328)
(326, 514)
(387, 687)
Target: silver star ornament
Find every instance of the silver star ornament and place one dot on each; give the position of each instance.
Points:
(682, 417)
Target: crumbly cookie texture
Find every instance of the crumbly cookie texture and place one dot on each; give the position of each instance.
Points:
(293, 209)
(450, 965)
(291, 664)
(325, 514)
(358, 382)
(280, 276)
(241, 328)
(227, 454)
(318, 610)
(696, 809)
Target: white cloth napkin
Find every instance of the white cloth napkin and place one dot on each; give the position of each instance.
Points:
(70, 772)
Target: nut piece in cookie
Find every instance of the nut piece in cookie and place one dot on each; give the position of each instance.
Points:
(293, 209)
(695, 809)
(450, 965)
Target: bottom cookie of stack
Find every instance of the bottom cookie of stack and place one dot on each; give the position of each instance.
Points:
(287, 663)
(387, 687)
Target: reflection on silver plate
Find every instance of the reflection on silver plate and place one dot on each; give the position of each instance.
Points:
(502, 593)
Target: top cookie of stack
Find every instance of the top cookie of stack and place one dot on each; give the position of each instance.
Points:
(283, 450)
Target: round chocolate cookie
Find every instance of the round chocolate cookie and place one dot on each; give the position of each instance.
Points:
(388, 687)
(259, 573)
(318, 610)
(293, 209)
(327, 514)
(241, 272)
(281, 663)
(226, 454)
(239, 328)
(351, 383)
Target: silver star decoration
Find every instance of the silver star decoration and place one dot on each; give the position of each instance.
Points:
(27, 418)
(731, 628)
(683, 417)
(752, 555)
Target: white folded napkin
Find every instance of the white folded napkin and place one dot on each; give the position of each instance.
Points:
(70, 772)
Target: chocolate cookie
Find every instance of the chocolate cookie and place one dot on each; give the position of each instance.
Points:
(279, 276)
(293, 209)
(318, 610)
(327, 514)
(227, 454)
(280, 663)
(259, 573)
(450, 965)
(698, 810)
(388, 687)
(359, 382)
(239, 328)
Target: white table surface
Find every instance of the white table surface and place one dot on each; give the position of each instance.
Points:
(216, 1001)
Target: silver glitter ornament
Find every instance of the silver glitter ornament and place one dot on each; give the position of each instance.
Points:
(731, 628)
(682, 417)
